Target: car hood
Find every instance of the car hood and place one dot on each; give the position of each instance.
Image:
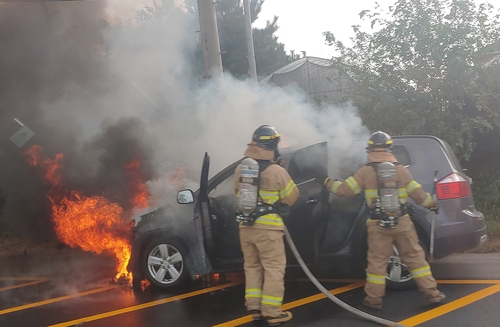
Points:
(172, 216)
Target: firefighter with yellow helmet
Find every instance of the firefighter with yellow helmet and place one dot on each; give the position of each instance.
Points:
(265, 190)
(387, 185)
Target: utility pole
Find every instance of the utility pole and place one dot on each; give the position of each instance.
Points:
(252, 67)
(210, 38)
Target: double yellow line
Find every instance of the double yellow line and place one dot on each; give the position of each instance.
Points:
(57, 299)
(410, 322)
(297, 303)
(454, 305)
(143, 306)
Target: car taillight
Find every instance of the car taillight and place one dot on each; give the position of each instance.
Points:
(452, 186)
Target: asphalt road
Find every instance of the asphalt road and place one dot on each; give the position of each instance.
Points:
(73, 288)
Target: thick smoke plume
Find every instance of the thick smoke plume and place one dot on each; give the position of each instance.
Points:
(105, 92)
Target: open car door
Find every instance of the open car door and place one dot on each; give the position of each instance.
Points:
(198, 255)
(309, 212)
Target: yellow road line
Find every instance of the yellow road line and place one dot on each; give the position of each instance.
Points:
(24, 284)
(448, 307)
(143, 306)
(469, 281)
(20, 278)
(297, 303)
(57, 299)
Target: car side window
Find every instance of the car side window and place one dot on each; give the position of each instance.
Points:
(402, 155)
(223, 188)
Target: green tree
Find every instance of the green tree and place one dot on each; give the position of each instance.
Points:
(423, 70)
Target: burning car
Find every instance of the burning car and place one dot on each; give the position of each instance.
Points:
(200, 233)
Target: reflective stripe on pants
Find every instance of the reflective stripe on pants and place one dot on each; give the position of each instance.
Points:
(405, 238)
(265, 263)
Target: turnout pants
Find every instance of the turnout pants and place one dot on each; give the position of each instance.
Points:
(380, 247)
(265, 263)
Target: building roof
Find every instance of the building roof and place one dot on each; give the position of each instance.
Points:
(299, 63)
(317, 77)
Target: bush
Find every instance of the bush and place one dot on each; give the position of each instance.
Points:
(486, 197)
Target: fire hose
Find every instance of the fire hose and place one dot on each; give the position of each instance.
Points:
(330, 295)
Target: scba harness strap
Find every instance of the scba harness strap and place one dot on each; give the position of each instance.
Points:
(386, 220)
(379, 212)
(261, 208)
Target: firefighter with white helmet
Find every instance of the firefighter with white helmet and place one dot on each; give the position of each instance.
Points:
(387, 185)
(265, 190)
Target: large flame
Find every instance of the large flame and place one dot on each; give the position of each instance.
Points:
(91, 223)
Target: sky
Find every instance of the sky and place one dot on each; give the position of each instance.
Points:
(303, 22)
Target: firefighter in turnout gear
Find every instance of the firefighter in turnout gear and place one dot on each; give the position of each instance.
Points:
(387, 185)
(262, 231)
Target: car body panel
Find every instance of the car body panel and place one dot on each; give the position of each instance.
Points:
(457, 218)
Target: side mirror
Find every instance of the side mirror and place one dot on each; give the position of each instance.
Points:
(185, 197)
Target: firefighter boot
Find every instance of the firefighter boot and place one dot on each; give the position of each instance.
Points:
(256, 315)
(436, 298)
(283, 317)
(374, 303)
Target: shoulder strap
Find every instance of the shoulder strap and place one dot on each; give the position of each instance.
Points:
(263, 164)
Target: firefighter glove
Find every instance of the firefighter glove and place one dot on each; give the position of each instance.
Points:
(434, 207)
(322, 179)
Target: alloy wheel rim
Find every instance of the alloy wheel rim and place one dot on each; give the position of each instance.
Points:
(165, 264)
(397, 271)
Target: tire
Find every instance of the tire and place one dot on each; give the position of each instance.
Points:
(398, 275)
(163, 263)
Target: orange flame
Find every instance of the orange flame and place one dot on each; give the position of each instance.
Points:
(137, 186)
(91, 223)
(49, 166)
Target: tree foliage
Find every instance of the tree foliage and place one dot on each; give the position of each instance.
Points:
(424, 69)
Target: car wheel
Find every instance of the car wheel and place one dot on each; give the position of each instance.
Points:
(163, 264)
(398, 275)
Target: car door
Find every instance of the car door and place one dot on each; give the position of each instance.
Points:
(201, 262)
(224, 227)
(308, 214)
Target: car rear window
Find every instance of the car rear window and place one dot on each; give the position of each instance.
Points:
(452, 156)
(427, 155)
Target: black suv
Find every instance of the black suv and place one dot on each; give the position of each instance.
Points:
(200, 235)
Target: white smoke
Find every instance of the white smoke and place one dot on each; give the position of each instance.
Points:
(150, 71)
(155, 81)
